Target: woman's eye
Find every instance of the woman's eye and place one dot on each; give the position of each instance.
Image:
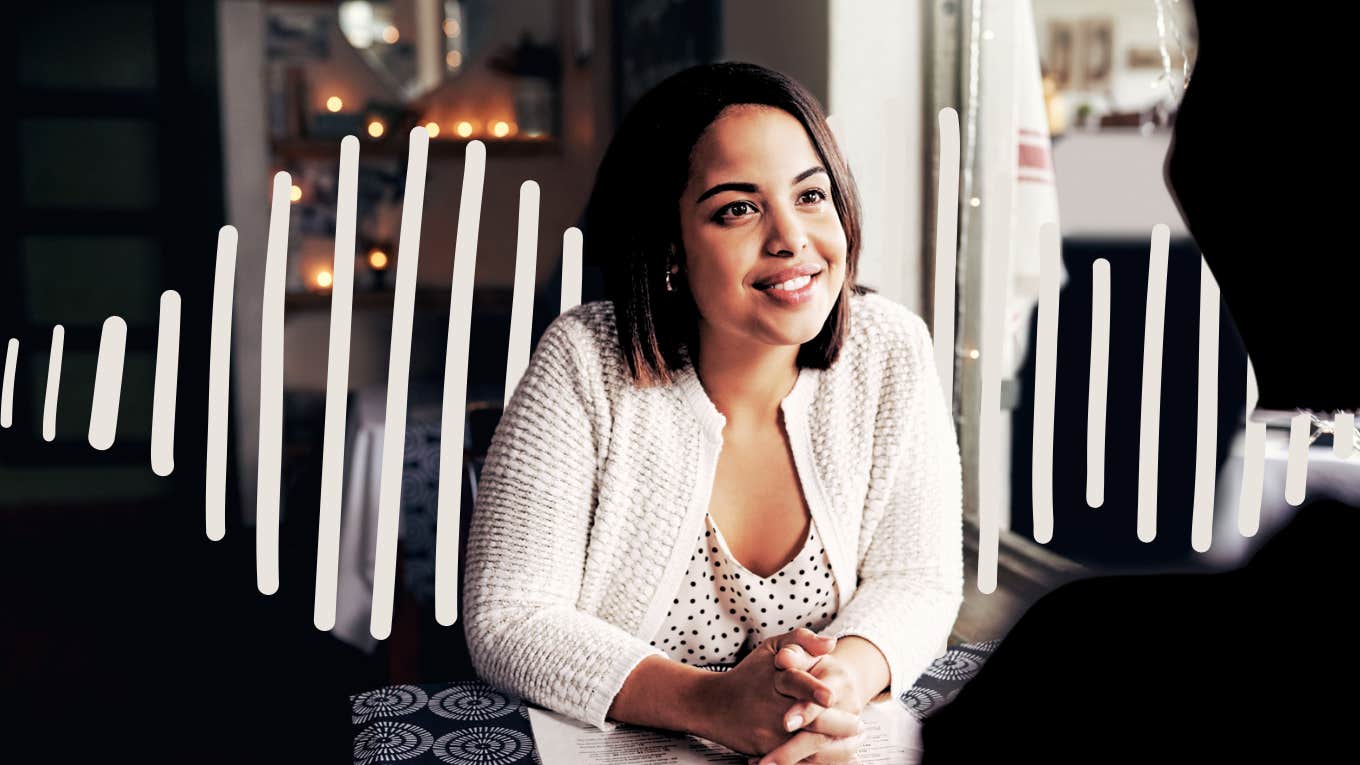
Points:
(817, 195)
(732, 210)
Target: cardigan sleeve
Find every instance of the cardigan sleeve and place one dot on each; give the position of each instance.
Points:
(910, 572)
(526, 546)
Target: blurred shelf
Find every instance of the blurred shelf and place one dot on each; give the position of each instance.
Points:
(327, 148)
(491, 300)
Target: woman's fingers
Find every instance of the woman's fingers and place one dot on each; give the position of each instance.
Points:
(802, 715)
(799, 684)
(812, 748)
(837, 723)
(809, 641)
(793, 656)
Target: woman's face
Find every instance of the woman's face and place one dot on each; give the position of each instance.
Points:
(758, 203)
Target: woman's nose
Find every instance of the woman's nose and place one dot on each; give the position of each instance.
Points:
(786, 234)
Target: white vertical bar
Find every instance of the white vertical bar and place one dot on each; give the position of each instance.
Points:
(571, 268)
(455, 387)
(108, 383)
(1296, 474)
(271, 390)
(1151, 413)
(1343, 435)
(990, 467)
(1206, 435)
(1253, 464)
(7, 390)
(219, 385)
(522, 303)
(337, 389)
(946, 249)
(398, 378)
(53, 383)
(167, 383)
(1098, 394)
(1001, 158)
(1046, 378)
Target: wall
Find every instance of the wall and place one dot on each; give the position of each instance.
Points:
(791, 36)
(862, 60)
(1135, 26)
(564, 179)
(877, 100)
(1110, 184)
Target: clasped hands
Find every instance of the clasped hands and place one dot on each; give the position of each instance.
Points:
(753, 712)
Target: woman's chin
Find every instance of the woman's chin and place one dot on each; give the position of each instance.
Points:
(799, 330)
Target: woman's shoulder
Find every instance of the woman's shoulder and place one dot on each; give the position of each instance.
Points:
(587, 327)
(883, 329)
(584, 340)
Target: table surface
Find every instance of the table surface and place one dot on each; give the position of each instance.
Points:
(469, 722)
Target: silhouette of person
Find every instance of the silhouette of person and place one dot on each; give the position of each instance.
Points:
(1246, 664)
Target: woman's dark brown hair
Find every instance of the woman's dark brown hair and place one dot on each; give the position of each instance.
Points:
(633, 227)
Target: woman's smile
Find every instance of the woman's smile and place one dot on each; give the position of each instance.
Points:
(794, 292)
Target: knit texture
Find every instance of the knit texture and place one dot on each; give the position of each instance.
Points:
(594, 489)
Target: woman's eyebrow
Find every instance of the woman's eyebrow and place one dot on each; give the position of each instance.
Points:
(751, 188)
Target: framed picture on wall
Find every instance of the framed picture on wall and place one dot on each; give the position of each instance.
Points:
(1061, 38)
(1097, 52)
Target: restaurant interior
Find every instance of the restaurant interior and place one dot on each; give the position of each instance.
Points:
(140, 128)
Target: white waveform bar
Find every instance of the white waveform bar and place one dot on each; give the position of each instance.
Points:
(398, 380)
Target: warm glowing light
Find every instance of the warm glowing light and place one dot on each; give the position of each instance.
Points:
(432, 128)
(334, 104)
(454, 59)
(323, 279)
(295, 193)
(973, 354)
(376, 128)
(974, 202)
(464, 128)
(451, 28)
(390, 35)
(377, 259)
(500, 129)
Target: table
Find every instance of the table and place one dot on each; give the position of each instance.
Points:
(1328, 476)
(469, 722)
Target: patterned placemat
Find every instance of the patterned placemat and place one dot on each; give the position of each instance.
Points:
(945, 676)
(464, 723)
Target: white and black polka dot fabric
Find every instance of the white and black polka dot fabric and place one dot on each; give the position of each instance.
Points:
(722, 611)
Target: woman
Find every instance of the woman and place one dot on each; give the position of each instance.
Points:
(739, 452)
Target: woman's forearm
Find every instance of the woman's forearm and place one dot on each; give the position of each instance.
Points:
(664, 693)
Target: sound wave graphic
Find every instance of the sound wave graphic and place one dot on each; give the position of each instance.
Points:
(108, 380)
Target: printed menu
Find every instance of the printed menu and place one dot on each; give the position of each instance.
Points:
(891, 737)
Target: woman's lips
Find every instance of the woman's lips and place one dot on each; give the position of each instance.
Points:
(793, 297)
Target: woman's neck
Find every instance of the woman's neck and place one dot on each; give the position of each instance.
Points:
(746, 380)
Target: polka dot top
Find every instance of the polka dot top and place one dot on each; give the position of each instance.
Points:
(723, 611)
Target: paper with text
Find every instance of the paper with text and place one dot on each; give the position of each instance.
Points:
(892, 737)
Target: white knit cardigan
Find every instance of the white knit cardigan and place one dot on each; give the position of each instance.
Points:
(594, 490)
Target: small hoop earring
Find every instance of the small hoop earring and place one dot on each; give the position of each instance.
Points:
(669, 286)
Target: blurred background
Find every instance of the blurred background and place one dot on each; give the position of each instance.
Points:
(139, 127)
